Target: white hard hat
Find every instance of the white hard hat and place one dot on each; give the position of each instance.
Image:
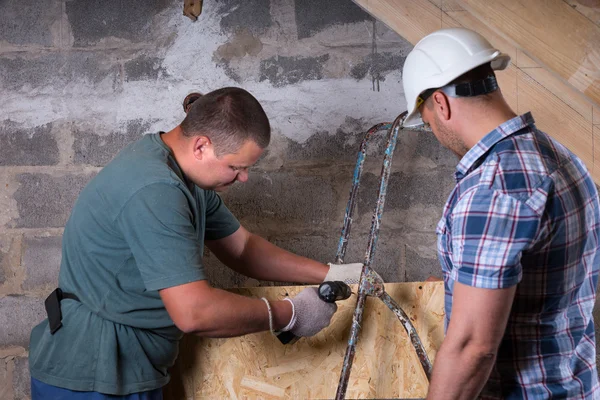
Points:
(441, 57)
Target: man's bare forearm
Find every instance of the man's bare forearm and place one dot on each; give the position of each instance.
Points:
(263, 260)
(460, 372)
(218, 313)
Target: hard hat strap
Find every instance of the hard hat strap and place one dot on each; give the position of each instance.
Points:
(473, 88)
(466, 89)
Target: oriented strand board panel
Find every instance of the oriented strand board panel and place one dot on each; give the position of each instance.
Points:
(258, 366)
(564, 40)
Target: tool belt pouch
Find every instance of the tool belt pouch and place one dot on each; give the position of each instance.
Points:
(52, 305)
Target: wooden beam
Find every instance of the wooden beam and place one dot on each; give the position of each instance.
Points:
(564, 40)
(589, 8)
(544, 89)
(411, 19)
(259, 366)
(563, 123)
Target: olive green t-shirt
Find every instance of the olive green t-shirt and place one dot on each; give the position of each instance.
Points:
(139, 226)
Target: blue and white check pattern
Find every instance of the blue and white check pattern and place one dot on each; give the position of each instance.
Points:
(525, 212)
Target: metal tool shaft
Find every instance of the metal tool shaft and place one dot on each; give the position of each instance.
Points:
(373, 236)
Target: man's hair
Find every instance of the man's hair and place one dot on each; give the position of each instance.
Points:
(228, 117)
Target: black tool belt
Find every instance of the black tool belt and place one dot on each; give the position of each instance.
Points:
(52, 304)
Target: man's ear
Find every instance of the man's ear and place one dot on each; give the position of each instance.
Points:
(441, 105)
(202, 145)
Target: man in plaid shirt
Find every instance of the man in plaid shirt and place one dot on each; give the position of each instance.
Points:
(518, 240)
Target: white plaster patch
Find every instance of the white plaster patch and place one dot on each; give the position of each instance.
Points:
(296, 111)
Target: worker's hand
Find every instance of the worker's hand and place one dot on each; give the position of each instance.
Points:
(347, 273)
(311, 313)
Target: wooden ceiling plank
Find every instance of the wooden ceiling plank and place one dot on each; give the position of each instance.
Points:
(570, 48)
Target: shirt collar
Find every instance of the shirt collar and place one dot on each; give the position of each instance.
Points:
(504, 130)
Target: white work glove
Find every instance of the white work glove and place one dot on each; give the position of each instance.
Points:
(311, 314)
(347, 273)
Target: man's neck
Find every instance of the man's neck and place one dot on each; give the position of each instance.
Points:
(485, 120)
(172, 138)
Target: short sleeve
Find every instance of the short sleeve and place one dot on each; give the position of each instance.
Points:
(490, 230)
(220, 222)
(157, 223)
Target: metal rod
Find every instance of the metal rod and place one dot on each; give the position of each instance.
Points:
(362, 153)
(373, 236)
(411, 331)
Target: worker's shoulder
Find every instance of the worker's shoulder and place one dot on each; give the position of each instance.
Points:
(531, 163)
(146, 159)
(143, 163)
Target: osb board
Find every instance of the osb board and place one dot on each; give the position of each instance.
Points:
(564, 40)
(258, 366)
(554, 99)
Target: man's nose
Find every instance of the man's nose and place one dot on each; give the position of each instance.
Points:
(242, 176)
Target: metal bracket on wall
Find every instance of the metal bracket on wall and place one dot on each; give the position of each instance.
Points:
(192, 9)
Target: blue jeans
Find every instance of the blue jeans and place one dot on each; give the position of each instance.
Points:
(42, 391)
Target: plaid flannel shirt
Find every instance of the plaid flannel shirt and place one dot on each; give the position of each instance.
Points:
(525, 212)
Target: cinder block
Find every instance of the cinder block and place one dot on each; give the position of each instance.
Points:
(316, 247)
(405, 190)
(387, 260)
(253, 15)
(21, 379)
(284, 198)
(219, 275)
(143, 68)
(29, 23)
(18, 315)
(426, 145)
(24, 71)
(45, 201)
(420, 267)
(41, 260)
(378, 65)
(282, 70)
(314, 15)
(7, 366)
(27, 146)
(341, 146)
(129, 20)
(96, 149)
(2, 267)
(10, 256)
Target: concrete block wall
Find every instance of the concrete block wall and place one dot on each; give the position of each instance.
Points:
(82, 79)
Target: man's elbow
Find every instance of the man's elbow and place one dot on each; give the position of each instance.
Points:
(192, 322)
(481, 352)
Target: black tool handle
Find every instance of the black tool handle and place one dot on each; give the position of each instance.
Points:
(329, 292)
(332, 291)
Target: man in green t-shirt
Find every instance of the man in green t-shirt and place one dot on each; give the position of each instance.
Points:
(132, 269)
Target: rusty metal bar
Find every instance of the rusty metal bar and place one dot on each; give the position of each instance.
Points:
(410, 330)
(362, 153)
(366, 278)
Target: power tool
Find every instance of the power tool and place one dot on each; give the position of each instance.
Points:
(329, 292)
